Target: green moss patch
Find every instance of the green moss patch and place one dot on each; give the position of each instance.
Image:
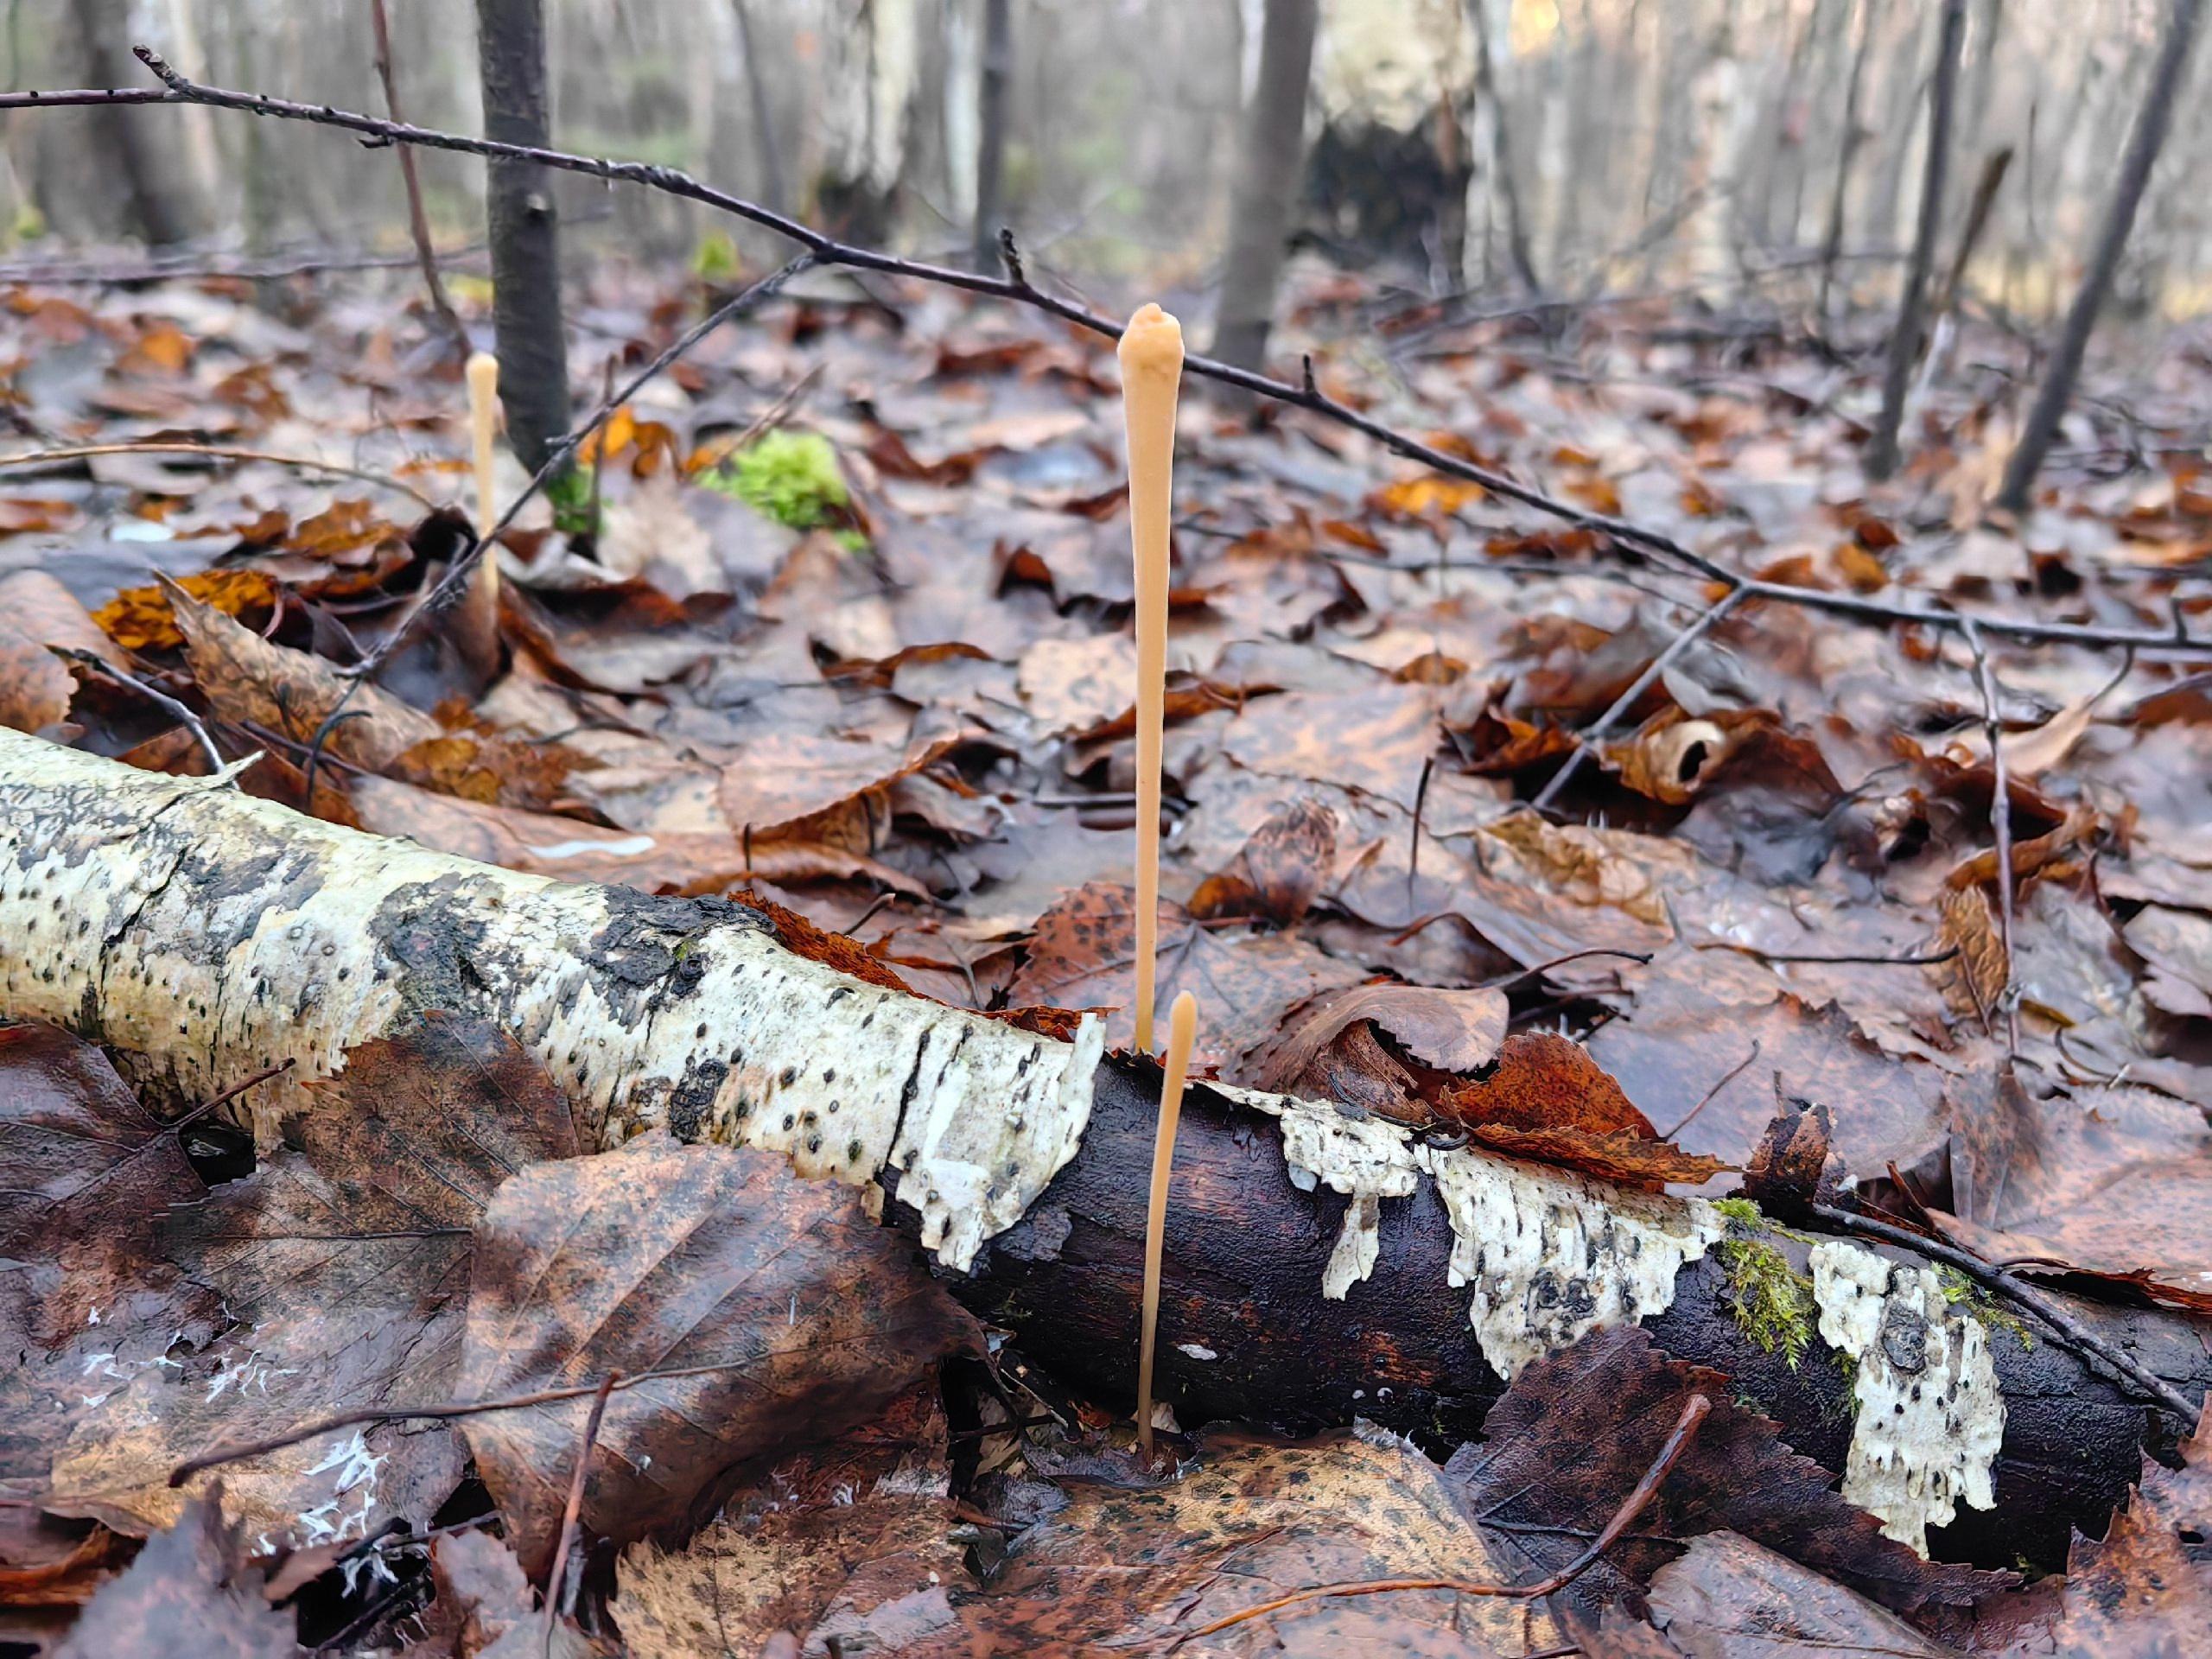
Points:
(790, 476)
(1772, 1303)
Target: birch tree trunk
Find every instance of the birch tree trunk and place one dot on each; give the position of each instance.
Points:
(1269, 157)
(1319, 1267)
(524, 228)
(2143, 143)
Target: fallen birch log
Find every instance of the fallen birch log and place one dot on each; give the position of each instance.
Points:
(1319, 1269)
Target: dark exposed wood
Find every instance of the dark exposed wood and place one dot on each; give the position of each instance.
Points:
(2144, 142)
(1245, 1251)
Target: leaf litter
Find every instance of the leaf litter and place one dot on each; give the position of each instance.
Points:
(870, 669)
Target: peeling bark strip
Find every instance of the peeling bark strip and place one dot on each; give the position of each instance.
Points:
(204, 934)
(1930, 1416)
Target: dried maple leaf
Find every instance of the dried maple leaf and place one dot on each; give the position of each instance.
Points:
(664, 1256)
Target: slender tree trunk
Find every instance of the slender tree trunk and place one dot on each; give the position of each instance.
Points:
(990, 133)
(1504, 181)
(1944, 331)
(2143, 145)
(774, 187)
(1271, 153)
(418, 223)
(1846, 152)
(1912, 310)
(169, 197)
(525, 230)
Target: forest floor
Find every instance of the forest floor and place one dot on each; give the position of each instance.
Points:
(839, 613)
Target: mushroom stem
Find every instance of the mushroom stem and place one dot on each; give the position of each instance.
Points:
(1152, 368)
(1182, 1033)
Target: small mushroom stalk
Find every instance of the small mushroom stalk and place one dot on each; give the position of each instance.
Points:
(1182, 1035)
(478, 635)
(1151, 370)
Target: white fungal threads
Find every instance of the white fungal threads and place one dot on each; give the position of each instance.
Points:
(1930, 1416)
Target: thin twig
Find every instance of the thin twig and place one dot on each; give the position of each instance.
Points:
(1714, 1093)
(826, 251)
(1541, 968)
(1906, 961)
(1694, 1411)
(221, 451)
(573, 1507)
(230, 1094)
(2000, 819)
(2068, 1333)
(446, 1409)
(1586, 744)
(418, 222)
(93, 662)
(176, 269)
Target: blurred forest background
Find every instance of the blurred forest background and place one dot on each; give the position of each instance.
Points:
(1586, 145)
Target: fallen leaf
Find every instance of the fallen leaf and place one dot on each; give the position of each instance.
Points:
(1578, 1429)
(1278, 872)
(663, 1256)
(189, 1592)
(1123, 1570)
(142, 618)
(2145, 1589)
(1378, 741)
(37, 687)
(1083, 956)
(1728, 1599)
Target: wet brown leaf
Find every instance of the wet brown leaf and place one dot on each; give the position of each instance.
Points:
(190, 1593)
(1377, 742)
(1119, 1570)
(1279, 873)
(2145, 1589)
(1578, 1429)
(37, 687)
(1729, 1598)
(1329, 1052)
(1083, 956)
(661, 1256)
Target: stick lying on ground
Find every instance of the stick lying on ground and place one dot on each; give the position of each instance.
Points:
(206, 936)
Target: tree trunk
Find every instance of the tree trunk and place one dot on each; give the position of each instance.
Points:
(775, 190)
(1269, 156)
(524, 231)
(1912, 309)
(2142, 154)
(990, 131)
(1320, 1268)
(1505, 182)
(168, 195)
